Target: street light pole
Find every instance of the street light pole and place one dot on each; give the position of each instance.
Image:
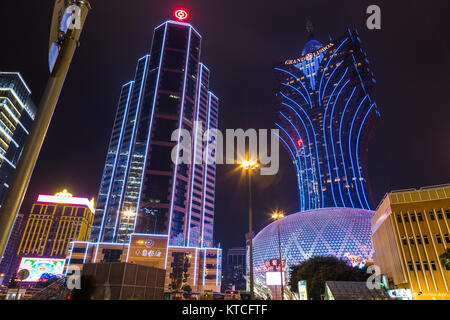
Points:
(250, 223)
(250, 165)
(22, 174)
(278, 216)
(281, 260)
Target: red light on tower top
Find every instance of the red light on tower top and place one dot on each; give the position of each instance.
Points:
(300, 143)
(181, 14)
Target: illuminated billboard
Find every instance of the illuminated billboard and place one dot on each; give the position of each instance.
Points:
(274, 279)
(40, 266)
(274, 265)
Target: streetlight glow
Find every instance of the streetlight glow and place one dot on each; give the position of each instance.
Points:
(250, 165)
(129, 213)
(277, 215)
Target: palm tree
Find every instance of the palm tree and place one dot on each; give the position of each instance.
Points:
(445, 259)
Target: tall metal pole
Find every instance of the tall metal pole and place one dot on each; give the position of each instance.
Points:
(281, 260)
(22, 175)
(252, 285)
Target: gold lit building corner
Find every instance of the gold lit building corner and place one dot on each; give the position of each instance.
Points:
(410, 233)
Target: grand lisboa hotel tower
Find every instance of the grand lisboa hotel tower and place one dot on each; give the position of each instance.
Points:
(326, 116)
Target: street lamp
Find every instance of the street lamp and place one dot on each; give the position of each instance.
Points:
(277, 216)
(250, 165)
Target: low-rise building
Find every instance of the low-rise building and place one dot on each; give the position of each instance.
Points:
(410, 233)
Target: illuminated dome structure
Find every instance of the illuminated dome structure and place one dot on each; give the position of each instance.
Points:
(340, 232)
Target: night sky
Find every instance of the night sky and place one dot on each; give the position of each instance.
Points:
(241, 41)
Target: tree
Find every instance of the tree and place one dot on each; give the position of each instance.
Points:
(187, 289)
(317, 271)
(445, 259)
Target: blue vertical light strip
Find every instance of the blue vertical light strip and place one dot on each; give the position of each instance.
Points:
(180, 126)
(315, 141)
(331, 77)
(130, 84)
(342, 151)
(357, 155)
(151, 124)
(327, 65)
(194, 165)
(298, 80)
(312, 203)
(299, 176)
(360, 78)
(138, 109)
(195, 266)
(325, 136)
(204, 266)
(294, 88)
(205, 177)
(306, 166)
(350, 148)
(332, 141)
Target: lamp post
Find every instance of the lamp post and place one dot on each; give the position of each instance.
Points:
(68, 41)
(250, 166)
(277, 216)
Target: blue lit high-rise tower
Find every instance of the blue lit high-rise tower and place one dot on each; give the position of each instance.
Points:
(169, 92)
(326, 115)
(152, 210)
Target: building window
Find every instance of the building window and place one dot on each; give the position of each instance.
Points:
(413, 217)
(439, 239)
(432, 217)
(410, 266)
(399, 218)
(447, 213)
(411, 240)
(405, 242)
(425, 239)
(405, 217)
(433, 265)
(418, 266)
(440, 215)
(447, 238)
(447, 267)
(425, 266)
(419, 216)
(419, 240)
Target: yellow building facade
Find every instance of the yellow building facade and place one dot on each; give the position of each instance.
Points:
(410, 231)
(53, 223)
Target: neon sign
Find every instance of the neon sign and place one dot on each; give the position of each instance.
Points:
(66, 198)
(309, 56)
(181, 14)
(274, 265)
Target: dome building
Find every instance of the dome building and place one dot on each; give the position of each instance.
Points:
(340, 232)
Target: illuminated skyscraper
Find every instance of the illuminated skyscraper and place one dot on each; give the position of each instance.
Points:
(17, 113)
(145, 197)
(53, 223)
(326, 115)
(42, 238)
